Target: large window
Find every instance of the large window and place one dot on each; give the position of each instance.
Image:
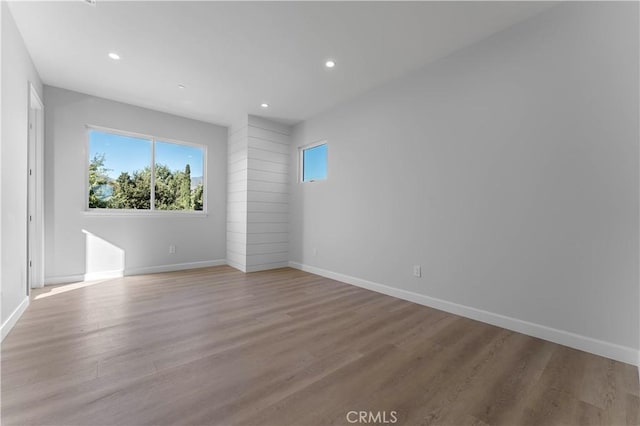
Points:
(129, 172)
(313, 160)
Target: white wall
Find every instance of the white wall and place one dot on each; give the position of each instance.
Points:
(145, 240)
(17, 72)
(258, 210)
(508, 170)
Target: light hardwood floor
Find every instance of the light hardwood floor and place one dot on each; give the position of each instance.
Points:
(215, 346)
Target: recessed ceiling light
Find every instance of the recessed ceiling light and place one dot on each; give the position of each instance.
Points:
(114, 56)
(181, 86)
(264, 105)
(330, 63)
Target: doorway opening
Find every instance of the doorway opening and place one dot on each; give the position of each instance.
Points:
(35, 192)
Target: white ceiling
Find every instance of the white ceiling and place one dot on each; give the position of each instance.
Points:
(233, 56)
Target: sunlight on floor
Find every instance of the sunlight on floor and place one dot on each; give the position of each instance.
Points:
(68, 287)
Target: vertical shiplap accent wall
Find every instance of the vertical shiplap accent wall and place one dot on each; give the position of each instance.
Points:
(258, 195)
(237, 167)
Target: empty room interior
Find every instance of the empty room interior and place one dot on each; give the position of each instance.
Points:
(320, 213)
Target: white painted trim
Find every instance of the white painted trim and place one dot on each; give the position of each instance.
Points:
(312, 144)
(145, 213)
(36, 227)
(174, 267)
(34, 98)
(104, 275)
(63, 279)
(267, 266)
(238, 266)
(599, 347)
(14, 317)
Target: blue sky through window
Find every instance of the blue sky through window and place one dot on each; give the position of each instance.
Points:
(122, 153)
(314, 163)
(128, 154)
(176, 156)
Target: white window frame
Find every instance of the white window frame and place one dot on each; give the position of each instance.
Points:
(141, 212)
(301, 150)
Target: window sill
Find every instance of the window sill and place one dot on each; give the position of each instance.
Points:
(143, 213)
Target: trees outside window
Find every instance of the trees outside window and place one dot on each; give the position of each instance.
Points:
(138, 173)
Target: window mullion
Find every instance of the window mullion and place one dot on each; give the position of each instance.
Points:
(153, 174)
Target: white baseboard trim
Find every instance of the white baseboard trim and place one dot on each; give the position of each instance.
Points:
(238, 266)
(174, 267)
(257, 268)
(63, 279)
(13, 318)
(266, 267)
(103, 275)
(599, 347)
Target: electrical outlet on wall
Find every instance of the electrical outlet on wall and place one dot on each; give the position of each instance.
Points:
(417, 271)
(172, 248)
(315, 251)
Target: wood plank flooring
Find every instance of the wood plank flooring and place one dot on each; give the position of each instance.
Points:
(215, 346)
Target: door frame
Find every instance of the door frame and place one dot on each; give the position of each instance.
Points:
(35, 192)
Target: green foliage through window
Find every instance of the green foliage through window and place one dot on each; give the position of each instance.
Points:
(120, 175)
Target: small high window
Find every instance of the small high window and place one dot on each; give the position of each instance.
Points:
(314, 162)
